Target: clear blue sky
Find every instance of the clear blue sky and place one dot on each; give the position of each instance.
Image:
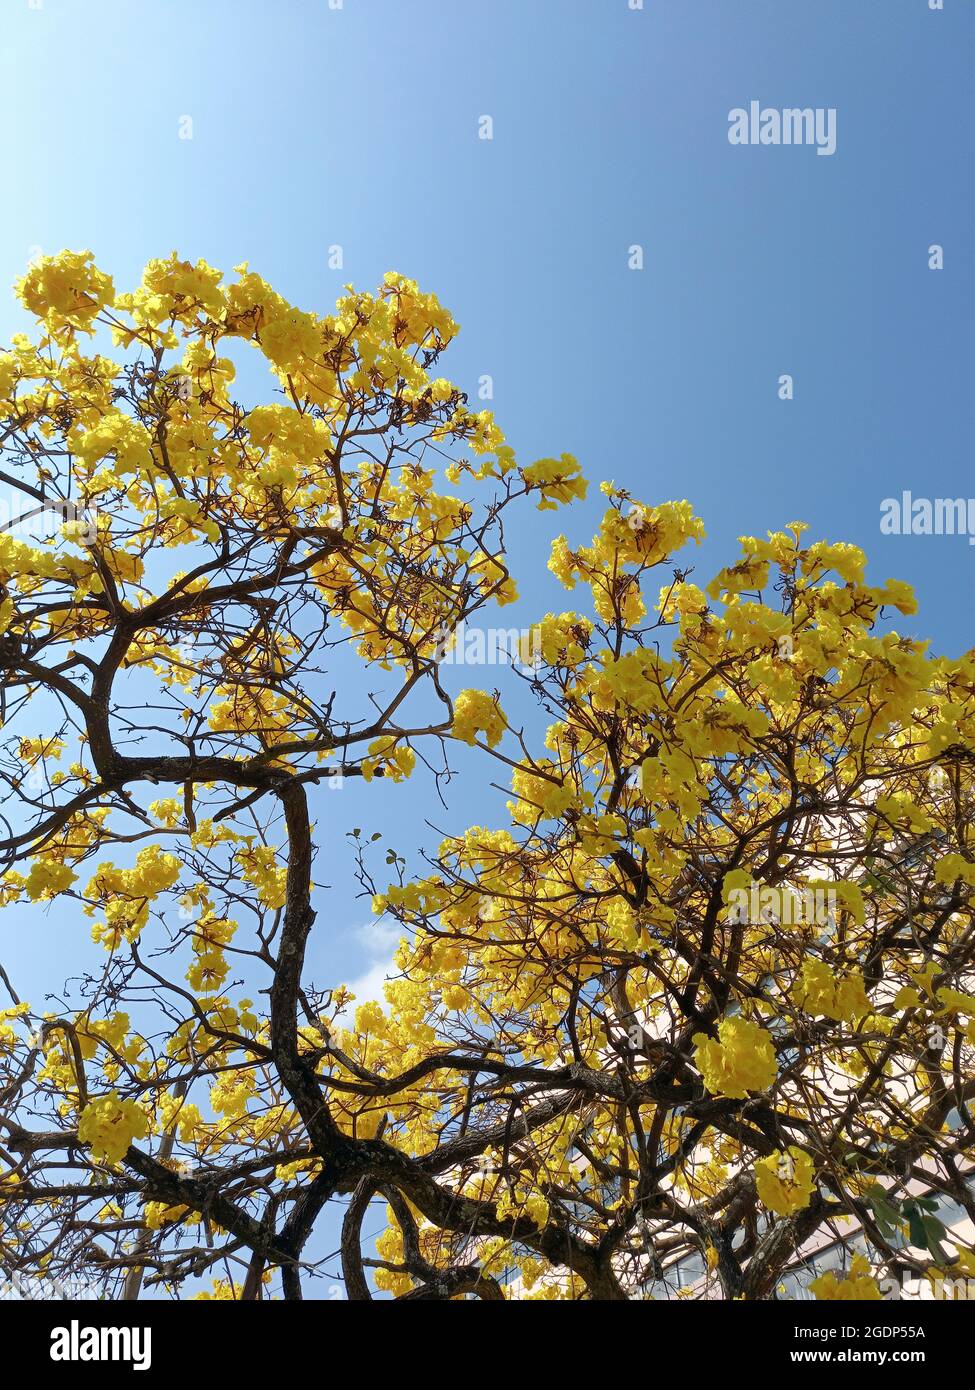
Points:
(314, 126)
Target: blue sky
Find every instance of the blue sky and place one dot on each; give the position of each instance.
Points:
(357, 126)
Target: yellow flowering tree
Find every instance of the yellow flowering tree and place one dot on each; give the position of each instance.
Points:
(711, 983)
(697, 996)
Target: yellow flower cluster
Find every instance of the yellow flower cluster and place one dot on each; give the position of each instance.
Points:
(538, 796)
(226, 1291)
(31, 750)
(8, 1035)
(110, 1124)
(210, 968)
(785, 1180)
(557, 480)
(953, 867)
(634, 681)
(124, 895)
(395, 760)
(476, 712)
(557, 639)
(519, 1203)
(822, 994)
(160, 1214)
(178, 288)
(66, 291)
(740, 1060)
(260, 866)
(47, 878)
(645, 537)
(858, 1285)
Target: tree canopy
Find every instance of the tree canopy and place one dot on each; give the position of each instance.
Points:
(704, 994)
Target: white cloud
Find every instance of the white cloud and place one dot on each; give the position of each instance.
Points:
(377, 943)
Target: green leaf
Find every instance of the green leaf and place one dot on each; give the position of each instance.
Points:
(935, 1233)
(918, 1234)
(888, 1217)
